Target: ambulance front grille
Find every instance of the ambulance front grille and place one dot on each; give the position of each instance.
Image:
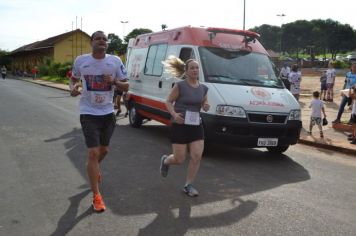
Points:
(267, 118)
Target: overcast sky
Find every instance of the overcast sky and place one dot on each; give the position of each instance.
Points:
(26, 21)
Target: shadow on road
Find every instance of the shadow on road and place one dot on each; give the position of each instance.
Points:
(70, 219)
(132, 184)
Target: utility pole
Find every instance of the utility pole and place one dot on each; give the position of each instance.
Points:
(244, 14)
(280, 38)
(123, 28)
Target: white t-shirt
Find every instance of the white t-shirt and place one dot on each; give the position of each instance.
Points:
(284, 72)
(330, 76)
(353, 111)
(316, 107)
(97, 95)
(295, 78)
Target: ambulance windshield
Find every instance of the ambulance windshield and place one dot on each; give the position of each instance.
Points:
(238, 67)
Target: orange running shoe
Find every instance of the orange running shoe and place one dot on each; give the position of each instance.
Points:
(98, 203)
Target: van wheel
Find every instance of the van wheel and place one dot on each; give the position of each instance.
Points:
(278, 149)
(135, 119)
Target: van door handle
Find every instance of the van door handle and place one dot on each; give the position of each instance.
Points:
(173, 84)
(160, 84)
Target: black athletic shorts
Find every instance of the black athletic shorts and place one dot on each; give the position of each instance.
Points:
(97, 130)
(184, 134)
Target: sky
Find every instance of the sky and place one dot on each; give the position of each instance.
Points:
(26, 21)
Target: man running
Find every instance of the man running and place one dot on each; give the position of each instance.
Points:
(100, 74)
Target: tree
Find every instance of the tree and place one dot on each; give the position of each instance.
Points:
(4, 59)
(270, 36)
(133, 34)
(296, 36)
(164, 26)
(341, 39)
(114, 44)
(136, 32)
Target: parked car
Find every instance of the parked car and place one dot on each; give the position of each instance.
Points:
(341, 58)
(351, 57)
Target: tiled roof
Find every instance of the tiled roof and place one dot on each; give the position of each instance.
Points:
(50, 42)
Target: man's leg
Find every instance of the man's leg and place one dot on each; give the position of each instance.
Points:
(93, 168)
(341, 109)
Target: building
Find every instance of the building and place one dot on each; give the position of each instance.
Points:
(61, 48)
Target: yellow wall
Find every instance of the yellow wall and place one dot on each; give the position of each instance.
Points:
(71, 47)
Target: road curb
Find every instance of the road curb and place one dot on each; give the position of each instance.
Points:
(327, 146)
(43, 84)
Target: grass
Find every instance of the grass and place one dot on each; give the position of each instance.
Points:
(55, 79)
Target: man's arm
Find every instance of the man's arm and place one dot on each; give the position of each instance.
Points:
(123, 85)
(74, 86)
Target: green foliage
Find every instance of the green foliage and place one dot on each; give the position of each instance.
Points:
(50, 68)
(341, 64)
(4, 60)
(314, 37)
(133, 34)
(271, 36)
(114, 44)
(55, 79)
(136, 32)
(43, 70)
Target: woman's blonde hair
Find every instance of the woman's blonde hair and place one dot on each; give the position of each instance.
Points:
(175, 66)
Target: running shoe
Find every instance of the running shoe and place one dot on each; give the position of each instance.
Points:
(190, 190)
(98, 203)
(164, 167)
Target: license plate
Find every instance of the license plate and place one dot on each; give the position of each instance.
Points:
(267, 142)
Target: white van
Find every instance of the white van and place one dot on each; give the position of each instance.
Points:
(249, 105)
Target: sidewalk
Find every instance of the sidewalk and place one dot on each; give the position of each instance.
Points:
(333, 139)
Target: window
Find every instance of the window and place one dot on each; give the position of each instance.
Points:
(186, 53)
(238, 67)
(156, 54)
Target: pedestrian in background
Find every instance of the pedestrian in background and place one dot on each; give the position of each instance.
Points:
(117, 100)
(69, 73)
(323, 87)
(100, 74)
(330, 82)
(34, 72)
(317, 106)
(295, 78)
(352, 95)
(184, 103)
(3, 72)
(283, 74)
(350, 81)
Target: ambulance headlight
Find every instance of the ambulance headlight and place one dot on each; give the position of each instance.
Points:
(224, 110)
(294, 115)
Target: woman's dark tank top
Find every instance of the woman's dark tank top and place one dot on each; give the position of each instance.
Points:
(189, 98)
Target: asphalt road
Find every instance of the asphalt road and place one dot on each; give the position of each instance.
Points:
(44, 189)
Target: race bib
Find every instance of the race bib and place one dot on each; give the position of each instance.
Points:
(192, 118)
(100, 99)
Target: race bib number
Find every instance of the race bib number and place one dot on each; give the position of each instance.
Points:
(100, 99)
(192, 118)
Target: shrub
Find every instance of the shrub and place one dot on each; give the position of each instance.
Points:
(340, 64)
(43, 70)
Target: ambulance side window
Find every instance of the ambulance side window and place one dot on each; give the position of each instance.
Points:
(156, 54)
(186, 53)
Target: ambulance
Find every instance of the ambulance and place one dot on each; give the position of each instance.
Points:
(249, 104)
